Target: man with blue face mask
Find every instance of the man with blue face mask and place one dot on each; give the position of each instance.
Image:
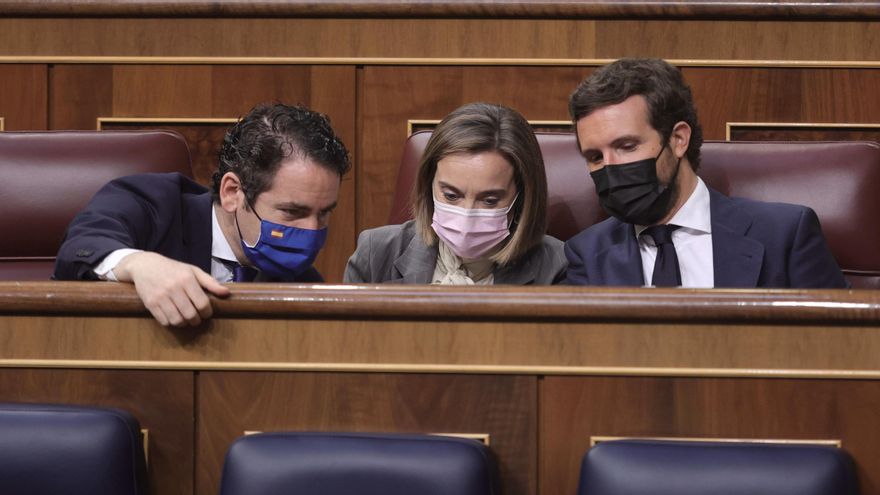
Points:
(265, 218)
(637, 129)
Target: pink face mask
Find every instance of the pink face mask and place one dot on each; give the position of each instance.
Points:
(470, 233)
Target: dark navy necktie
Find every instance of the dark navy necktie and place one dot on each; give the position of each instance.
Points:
(666, 270)
(243, 273)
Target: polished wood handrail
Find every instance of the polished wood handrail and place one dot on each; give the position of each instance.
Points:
(456, 303)
(543, 9)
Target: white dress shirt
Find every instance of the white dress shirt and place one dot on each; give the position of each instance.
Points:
(222, 256)
(693, 242)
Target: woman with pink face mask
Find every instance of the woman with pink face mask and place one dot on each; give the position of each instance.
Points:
(479, 206)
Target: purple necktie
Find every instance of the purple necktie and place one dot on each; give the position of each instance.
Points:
(243, 273)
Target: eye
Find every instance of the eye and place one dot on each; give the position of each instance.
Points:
(290, 215)
(491, 202)
(628, 147)
(594, 158)
(450, 196)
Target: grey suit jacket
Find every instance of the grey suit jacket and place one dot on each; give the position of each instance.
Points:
(397, 254)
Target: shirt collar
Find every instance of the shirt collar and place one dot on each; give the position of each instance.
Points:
(220, 247)
(694, 214)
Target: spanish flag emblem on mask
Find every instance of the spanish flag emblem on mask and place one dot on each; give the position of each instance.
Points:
(277, 233)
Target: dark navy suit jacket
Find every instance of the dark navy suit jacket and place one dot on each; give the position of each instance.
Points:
(165, 213)
(754, 244)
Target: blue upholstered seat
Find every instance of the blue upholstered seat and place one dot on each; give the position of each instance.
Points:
(362, 464)
(70, 450)
(641, 467)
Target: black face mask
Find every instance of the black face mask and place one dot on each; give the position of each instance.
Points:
(632, 193)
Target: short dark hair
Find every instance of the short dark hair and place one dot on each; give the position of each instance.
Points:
(661, 84)
(482, 127)
(256, 145)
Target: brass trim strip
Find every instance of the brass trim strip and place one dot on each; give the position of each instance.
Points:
(413, 122)
(483, 438)
(145, 438)
(204, 60)
(729, 126)
(163, 120)
(827, 442)
(446, 368)
(2, 124)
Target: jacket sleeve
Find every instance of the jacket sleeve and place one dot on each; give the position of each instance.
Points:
(811, 263)
(357, 270)
(115, 218)
(576, 273)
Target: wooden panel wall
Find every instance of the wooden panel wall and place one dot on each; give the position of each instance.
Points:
(574, 409)
(505, 407)
(23, 103)
(718, 39)
(162, 401)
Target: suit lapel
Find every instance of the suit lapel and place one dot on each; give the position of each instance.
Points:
(416, 264)
(620, 263)
(737, 259)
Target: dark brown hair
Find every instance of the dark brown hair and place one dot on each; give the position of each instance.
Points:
(669, 99)
(256, 145)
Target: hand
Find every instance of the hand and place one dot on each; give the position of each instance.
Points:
(174, 292)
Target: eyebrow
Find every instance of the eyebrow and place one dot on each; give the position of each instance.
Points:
(296, 207)
(490, 192)
(449, 186)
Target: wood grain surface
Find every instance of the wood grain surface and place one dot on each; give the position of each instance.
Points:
(162, 402)
(575, 409)
(441, 41)
(504, 407)
(444, 329)
(23, 100)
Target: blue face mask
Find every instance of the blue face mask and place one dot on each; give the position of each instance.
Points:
(283, 252)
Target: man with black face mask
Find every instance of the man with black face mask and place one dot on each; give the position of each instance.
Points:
(175, 240)
(637, 129)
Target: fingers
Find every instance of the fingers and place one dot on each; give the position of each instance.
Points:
(210, 284)
(172, 291)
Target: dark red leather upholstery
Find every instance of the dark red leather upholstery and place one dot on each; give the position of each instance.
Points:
(50, 176)
(838, 180)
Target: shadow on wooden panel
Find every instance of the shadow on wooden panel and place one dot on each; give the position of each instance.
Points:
(203, 136)
(504, 407)
(575, 409)
(160, 400)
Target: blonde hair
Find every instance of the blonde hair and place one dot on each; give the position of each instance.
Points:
(477, 128)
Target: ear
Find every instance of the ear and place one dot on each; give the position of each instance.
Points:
(680, 139)
(231, 193)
